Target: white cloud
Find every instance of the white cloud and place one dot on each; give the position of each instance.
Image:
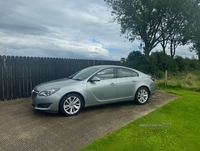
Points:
(61, 28)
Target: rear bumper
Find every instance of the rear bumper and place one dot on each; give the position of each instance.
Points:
(152, 88)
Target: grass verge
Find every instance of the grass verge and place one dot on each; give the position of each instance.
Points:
(175, 126)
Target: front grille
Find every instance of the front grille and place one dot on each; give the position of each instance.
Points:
(34, 93)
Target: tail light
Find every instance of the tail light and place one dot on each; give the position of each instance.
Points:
(152, 79)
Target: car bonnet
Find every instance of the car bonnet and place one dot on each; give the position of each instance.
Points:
(56, 84)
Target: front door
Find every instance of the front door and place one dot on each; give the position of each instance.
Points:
(103, 90)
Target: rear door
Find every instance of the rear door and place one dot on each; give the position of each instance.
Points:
(126, 80)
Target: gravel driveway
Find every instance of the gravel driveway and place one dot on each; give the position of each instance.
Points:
(22, 128)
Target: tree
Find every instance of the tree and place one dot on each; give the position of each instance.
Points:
(174, 41)
(196, 48)
(182, 15)
(194, 33)
(180, 63)
(152, 21)
(123, 61)
(137, 60)
(139, 19)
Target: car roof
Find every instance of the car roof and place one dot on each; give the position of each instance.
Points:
(105, 66)
(109, 66)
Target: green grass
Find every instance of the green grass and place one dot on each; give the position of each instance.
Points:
(189, 81)
(173, 127)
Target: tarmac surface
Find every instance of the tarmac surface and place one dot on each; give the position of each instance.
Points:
(22, 128)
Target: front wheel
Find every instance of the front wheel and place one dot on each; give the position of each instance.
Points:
(142, 95)
(71, 104)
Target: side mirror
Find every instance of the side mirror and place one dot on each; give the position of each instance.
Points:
(93, 79)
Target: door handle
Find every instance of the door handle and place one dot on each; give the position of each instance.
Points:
(134, 81)
(112, 84)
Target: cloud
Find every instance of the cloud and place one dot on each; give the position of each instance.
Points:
(58, 28)
(61, 28)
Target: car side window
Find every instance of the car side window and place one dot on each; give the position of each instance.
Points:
(106, 74)
(126, 73)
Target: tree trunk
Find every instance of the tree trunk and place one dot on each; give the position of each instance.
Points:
(147, 50)
(172, 49)
(164, 50)
(163, 46)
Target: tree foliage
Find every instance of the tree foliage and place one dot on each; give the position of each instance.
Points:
(158, 62)
(194, 34)
(154, 21)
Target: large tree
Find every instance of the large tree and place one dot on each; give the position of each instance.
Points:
(178, 20)
(151, 21)
(194, 35)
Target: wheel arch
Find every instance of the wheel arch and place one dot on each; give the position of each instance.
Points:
(144, 86)
(77, 93)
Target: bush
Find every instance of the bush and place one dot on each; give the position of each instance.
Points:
(158, 62)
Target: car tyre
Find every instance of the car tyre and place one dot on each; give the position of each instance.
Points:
(71, 104)
(142, 96)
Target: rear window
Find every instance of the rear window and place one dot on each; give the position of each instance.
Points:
(126, 73)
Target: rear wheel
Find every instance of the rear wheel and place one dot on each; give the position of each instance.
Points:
(142, 95)
(71, 104)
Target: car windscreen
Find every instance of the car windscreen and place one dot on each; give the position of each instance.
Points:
(83, 74)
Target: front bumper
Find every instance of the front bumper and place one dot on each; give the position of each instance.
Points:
(49, 103)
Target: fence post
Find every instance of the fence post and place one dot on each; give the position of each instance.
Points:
(165, 77)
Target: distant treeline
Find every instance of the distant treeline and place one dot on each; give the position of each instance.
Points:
(158, 62)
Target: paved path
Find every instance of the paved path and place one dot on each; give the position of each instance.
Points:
(22, 128)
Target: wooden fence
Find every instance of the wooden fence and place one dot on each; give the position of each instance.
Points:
(18, 75)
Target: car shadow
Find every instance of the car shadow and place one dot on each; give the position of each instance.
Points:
(45, 114)
(109, 106)
(95, 109)
(102, 107)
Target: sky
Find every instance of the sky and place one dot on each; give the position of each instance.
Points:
(82, 29)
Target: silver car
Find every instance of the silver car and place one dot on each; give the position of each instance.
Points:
(92, 86)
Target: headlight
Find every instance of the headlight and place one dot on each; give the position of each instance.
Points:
(48, 92)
